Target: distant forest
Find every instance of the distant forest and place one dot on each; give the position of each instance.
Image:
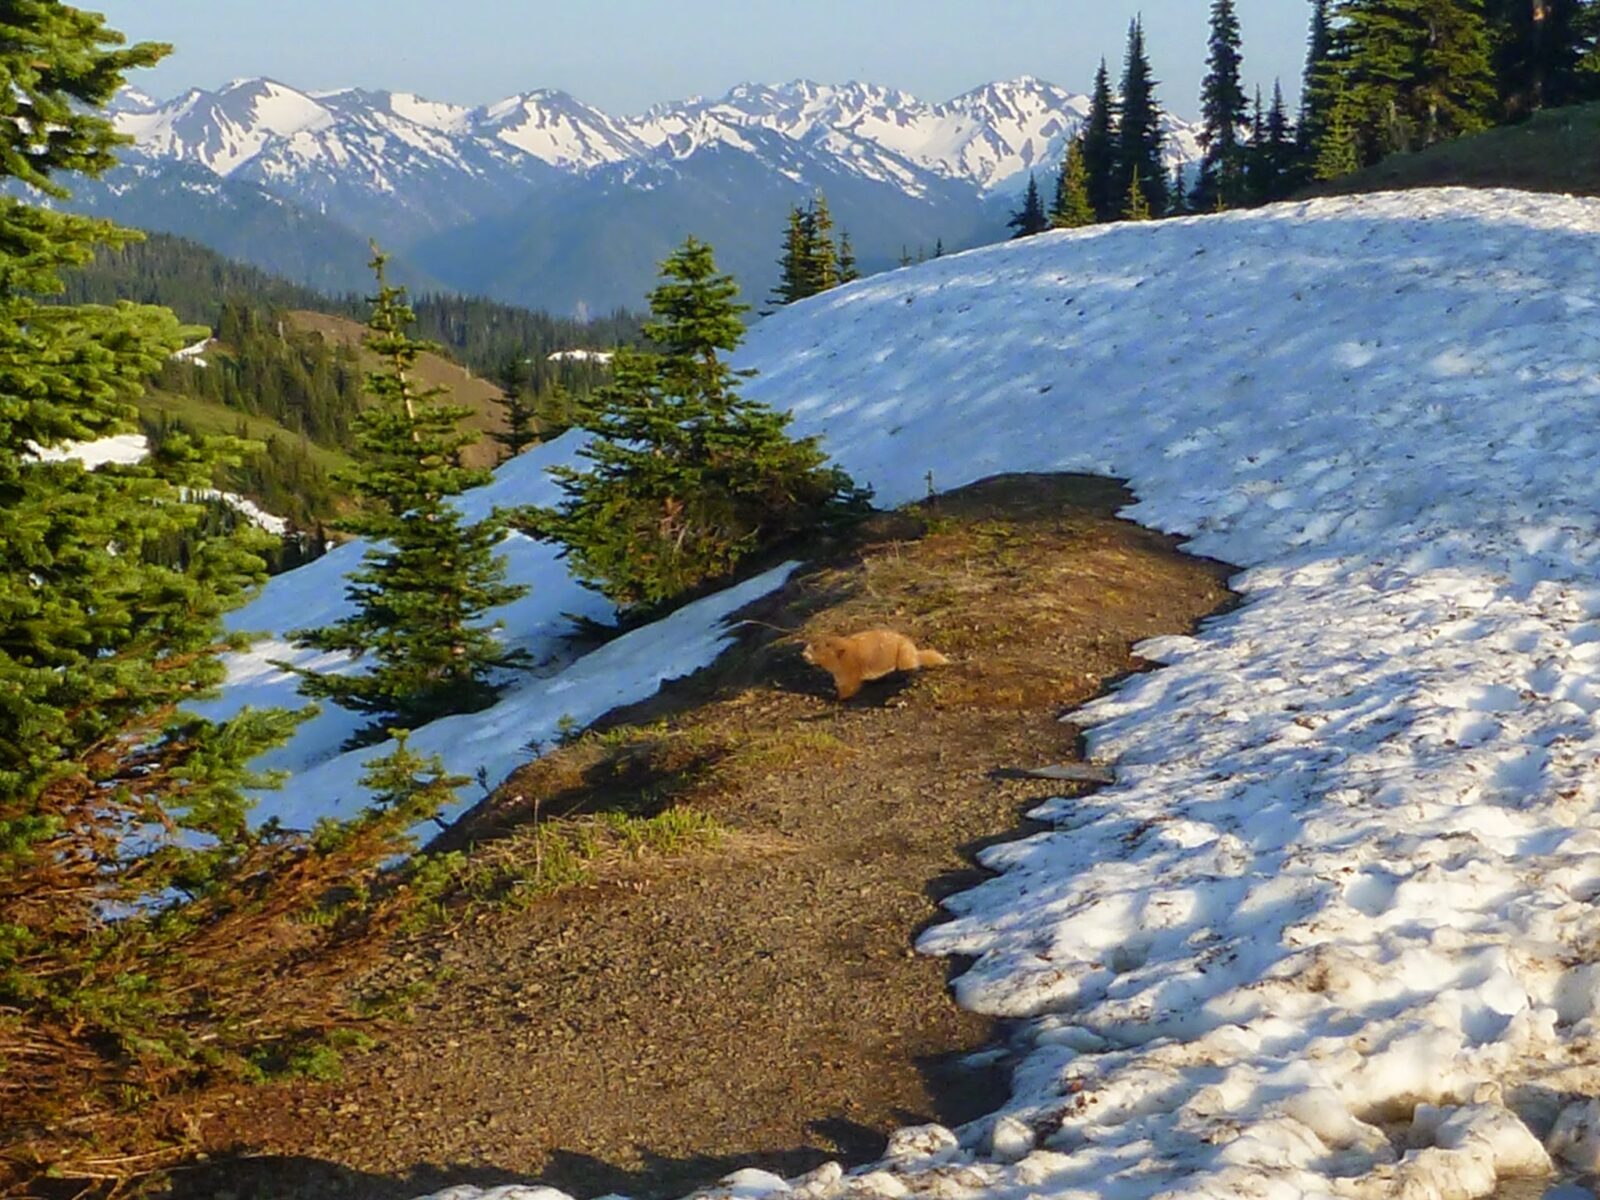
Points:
(194, 282)
(266, 370)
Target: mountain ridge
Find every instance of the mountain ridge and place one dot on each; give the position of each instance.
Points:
(587, 203)
(989, 135)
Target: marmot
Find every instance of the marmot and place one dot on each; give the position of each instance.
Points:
(871, 655)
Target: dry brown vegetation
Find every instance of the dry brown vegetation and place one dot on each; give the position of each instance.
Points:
(462, 386)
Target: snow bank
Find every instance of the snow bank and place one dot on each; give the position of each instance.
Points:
(123, 450)
(1333, 931)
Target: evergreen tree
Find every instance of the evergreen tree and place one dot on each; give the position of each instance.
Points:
(429, 576)
(1137, 205)
(1178, 206)
(1222, 107)
(1257, 171)
(1337, 154)
(1099, 139)
(1139, 140)
(516, 401)
(113, 798)
(1278, 153)
(1072, 208)
(811, 262)
(822, 253)
(848, 271)
(1316, 96)
(1538, 46)
(1411, 72)
(796, 254)
(1030, 218)
(686, 476)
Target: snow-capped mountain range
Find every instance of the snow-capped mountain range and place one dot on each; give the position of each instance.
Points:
(987, 137)
(422, 176)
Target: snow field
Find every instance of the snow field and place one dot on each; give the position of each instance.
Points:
(1331, 933)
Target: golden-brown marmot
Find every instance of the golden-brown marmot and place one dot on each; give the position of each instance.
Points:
(871, 655)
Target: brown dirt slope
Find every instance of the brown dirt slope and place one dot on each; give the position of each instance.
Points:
(464, 388)
(756, 1003)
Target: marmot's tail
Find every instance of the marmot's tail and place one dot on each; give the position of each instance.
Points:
(931, 658)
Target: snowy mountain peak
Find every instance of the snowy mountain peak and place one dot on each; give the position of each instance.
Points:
(558, 129)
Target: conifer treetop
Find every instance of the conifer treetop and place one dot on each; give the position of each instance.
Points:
(696, 308)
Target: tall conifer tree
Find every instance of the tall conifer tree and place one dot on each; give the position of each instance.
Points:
(517, 404)
(115, 799)
(1537, 49)
(1139, 139)
(430, 575)
(1411, 72)
(1030, 219)
(822, 253)
(1279, 152)
(1222, 110)
(1100, 149)
(1072, 209)
(848, 271)
(1316, 93)
(792, 265)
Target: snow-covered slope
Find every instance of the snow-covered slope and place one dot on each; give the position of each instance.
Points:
(1332, 932)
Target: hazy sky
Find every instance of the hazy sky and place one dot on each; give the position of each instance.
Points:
(624, 55)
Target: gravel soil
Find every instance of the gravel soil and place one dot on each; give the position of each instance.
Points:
(757, 1003)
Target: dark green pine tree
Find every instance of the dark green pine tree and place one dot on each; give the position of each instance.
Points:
(1538, 46)
(849, 272)
(114, 799)
(1099, 139)
(1178, 205)
(1139, 140)
(821, 262)
(429, 575)
(1278, 154)
(1318, 85)
(518, 406)
(1072, 208)
(686, 477)
(1411, 73)
(1030, 219)
(792, 264)
(1257, 171)
(811, 260)
(1223, 113)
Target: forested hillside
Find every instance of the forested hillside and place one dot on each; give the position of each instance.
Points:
(285, 368)
(194, 281)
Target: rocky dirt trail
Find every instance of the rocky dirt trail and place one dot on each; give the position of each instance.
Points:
(757, 1003)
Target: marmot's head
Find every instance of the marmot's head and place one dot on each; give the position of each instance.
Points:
(824, 652)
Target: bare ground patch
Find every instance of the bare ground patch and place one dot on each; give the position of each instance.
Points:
(752, 999)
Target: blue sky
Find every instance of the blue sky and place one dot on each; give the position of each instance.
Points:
(624, 55)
